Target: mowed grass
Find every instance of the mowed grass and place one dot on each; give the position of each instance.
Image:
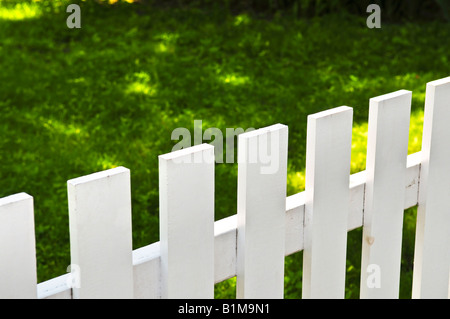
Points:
(77, 101)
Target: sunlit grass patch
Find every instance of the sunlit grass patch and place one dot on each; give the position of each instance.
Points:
(60, 128)
(296, 182)
(20, 11)
(415, 132)
(166, 42)
(106, 162)
(234, 79)
(241, 19)
(226, 289)
(164, 48)
(140, 88)
(118, 1)
(141, 84)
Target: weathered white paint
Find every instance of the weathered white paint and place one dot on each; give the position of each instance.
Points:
(17, 253)
(261, 212)
(432, 247)
(186, 190)
(328, 149)
(100, 234)
(387, 150)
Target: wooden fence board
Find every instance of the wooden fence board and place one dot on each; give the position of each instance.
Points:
(186, 185)
(261, 212)
(432, 247)
(17, 253)
(387, 150)
(329, 138)
(100, 234)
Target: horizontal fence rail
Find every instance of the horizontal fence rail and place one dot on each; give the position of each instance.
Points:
(194, 252)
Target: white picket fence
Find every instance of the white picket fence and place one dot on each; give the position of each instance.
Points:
(194, 252)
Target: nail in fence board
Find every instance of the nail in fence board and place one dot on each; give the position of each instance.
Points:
(432, 247)
(387, 150)
(329, 138)
(18, 253)
(100, 234)
(186, 186)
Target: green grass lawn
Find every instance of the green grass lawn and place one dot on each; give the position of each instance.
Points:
(76, 101)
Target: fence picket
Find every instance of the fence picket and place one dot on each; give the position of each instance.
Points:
(17, 248)
(186, 187)
(329, 138)
(100, 234)
(432, 247)
(387, 150)
(261, 212)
